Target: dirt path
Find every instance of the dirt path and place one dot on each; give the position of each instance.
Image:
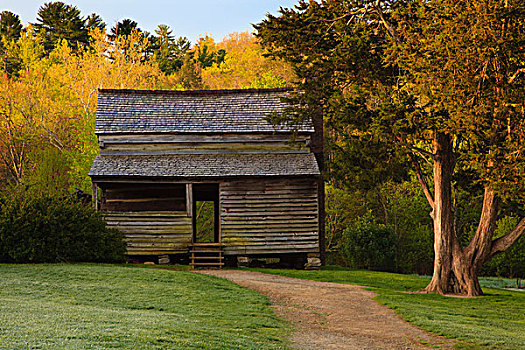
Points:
(334, 316)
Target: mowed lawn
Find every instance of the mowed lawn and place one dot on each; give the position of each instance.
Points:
(495, 320)
(118, 307)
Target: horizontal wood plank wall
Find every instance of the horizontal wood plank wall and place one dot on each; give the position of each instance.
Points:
(136, 144)
(269, 216)
(133, 197)
(153, 233)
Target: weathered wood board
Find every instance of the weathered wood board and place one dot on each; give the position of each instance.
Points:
(158, 144)
(136, 197)
(269, 216)
(153, 233)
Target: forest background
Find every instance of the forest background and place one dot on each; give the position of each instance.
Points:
(377, 215)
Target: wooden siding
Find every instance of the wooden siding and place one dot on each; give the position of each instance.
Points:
(269, 216)
(153, 233)
(160, 144)
(136, 197)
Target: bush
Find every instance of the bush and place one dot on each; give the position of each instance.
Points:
(369, 245)
(44, 228)
(415, 251)
(341, 208)
(510, 263)
(406, 210)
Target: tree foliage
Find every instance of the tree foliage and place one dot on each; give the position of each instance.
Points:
(244, 66)
(94, 21)
(10, 26)
(56, 21)
(170, 52)
(124, 28)
(10, 30)
(52, 104)
(441, 81)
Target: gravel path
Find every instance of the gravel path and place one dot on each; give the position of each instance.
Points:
(334, 316)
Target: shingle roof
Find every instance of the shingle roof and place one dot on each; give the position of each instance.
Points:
(205, 165)
(163, 111)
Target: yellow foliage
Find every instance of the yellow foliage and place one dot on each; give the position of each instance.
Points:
(110, 64)
(47, 108)
(52, 103)
(244, 66)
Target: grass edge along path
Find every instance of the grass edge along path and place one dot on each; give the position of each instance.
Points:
(91, 306)
(492, 321)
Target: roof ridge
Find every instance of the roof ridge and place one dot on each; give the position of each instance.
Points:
(193, 92)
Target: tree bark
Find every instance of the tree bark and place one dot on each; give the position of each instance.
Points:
(456, 269)
(445, 241)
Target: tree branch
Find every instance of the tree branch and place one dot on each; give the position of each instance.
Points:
(421, 152)
(503, 243)
(515, 75)
(387, 25)
(422, 181)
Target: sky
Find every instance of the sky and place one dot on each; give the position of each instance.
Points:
(189, 18)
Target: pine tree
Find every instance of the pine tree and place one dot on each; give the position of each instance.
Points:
(10, 25)
(57, 21)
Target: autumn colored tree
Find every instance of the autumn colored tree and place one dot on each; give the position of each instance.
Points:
(245, 66)
(443, 81)
(47, 114)
(83, 73)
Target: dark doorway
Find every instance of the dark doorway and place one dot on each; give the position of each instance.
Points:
(205, 213)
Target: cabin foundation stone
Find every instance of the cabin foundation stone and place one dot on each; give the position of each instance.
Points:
(243, 261)
(164, 260)
(313, 261)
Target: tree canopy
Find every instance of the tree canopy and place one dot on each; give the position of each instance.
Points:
(56, 21)
(10, 26)
(124, 27)
(441, 81)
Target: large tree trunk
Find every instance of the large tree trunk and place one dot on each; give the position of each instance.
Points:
(445, 241)
(456, 269)
(459, 275)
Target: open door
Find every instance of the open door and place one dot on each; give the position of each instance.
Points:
(206, 213)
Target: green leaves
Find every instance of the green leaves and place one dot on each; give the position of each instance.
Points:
(10, 26)
(37, 227)
(405, 70)
(56, 21)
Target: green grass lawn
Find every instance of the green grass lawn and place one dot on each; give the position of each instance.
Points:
(495, 320)
(119, 307)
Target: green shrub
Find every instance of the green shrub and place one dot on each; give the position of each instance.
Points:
(369, 245)
(406, 210)
(415, 251)
(341, 208)
(44, 228)
(510, 263)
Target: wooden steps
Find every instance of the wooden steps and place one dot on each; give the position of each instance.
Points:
(205, 255)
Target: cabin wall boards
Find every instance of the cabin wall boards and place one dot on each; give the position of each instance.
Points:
(269, 216)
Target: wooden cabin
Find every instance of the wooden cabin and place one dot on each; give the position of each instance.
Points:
(187, 171)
